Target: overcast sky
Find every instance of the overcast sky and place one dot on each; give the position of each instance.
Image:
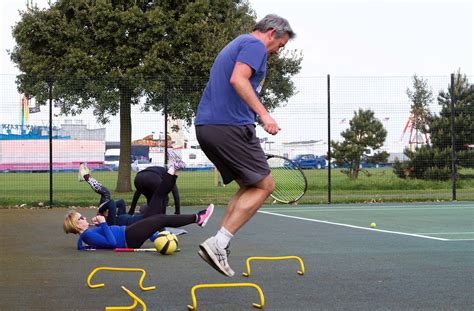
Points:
(342, 38)
(352, 37)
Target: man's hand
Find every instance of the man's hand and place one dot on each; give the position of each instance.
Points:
(269, 124)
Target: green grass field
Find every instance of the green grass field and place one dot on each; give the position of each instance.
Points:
(198, 188)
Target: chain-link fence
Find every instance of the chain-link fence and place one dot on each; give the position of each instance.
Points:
(390, 141)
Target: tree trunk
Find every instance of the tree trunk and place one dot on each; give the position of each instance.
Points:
(354, 172)
(124, 173)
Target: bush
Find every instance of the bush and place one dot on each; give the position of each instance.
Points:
(426, 163)
(399, 169)
(437, 173)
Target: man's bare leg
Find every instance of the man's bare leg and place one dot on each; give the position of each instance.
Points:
(233, 201)
(245, 203)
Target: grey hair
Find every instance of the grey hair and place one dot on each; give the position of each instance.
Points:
(273, 21)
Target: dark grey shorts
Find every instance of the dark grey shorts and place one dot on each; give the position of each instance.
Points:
(235, 151)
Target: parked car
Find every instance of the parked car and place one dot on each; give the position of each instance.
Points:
(139, 165)
(363, 164)
(310, 161)
(112, 158)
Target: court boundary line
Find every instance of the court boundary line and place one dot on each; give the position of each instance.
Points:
(445, 233)
(454, 240)
(366, 208)
(356, 227)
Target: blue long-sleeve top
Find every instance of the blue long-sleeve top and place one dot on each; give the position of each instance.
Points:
(103, 236)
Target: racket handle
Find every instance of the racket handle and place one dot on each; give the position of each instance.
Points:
(124, 250)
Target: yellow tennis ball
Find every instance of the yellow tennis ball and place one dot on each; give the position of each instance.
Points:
(166, 243)
(373, 225)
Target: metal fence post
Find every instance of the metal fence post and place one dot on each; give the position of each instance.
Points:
(453, 140)
(165, 112)
(50, 85)
(329, 137)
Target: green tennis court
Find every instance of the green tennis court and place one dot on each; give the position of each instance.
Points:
(444, 222)
(420, 257)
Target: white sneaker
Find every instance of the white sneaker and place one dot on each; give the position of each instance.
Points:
(209, 260)
(175, 160)
(83, 170)
(217, 255)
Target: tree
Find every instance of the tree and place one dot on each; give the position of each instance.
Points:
(365, 134)
(421, 97)
(463, 116)
(111, 54)
(433, 161)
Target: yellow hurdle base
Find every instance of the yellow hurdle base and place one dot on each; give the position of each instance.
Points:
(136, 301)
(140, 282)
(247, 263)
(224, 285)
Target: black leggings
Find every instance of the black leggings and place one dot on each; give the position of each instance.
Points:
(137, 233)
(157, 202)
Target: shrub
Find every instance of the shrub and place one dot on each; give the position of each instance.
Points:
(437, 173)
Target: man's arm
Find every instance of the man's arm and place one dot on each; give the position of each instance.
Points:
(241, 84)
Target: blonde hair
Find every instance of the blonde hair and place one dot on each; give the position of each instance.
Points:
(70, 223)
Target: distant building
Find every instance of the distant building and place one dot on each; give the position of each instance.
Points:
(400, 156)
(26, 148)
(79, 131)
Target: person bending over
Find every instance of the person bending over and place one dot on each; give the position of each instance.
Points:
(146, 182)
(151, 184)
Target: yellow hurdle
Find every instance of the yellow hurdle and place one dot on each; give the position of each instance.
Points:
(136, 301)
(247, 263)
(223, 285)
(140, 282)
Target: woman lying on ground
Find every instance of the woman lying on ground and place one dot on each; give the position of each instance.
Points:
(107, 234)
(131, 236)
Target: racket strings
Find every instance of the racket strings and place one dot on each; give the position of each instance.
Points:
(290, 183)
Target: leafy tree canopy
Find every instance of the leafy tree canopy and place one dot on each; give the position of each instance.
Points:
(110, 54)
(440, 125)
(364, 135)
(421, 97)
(433, 161)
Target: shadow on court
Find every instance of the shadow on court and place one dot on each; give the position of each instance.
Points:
(345, 268)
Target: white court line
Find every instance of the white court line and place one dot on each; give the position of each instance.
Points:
(461, 240)
(367, 209)
(445, 233)
(356, 227)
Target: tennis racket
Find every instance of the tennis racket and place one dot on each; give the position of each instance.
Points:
(127, 250)
(132, 250)
(290, 181)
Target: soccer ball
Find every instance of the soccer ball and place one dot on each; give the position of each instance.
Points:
(166, 243)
